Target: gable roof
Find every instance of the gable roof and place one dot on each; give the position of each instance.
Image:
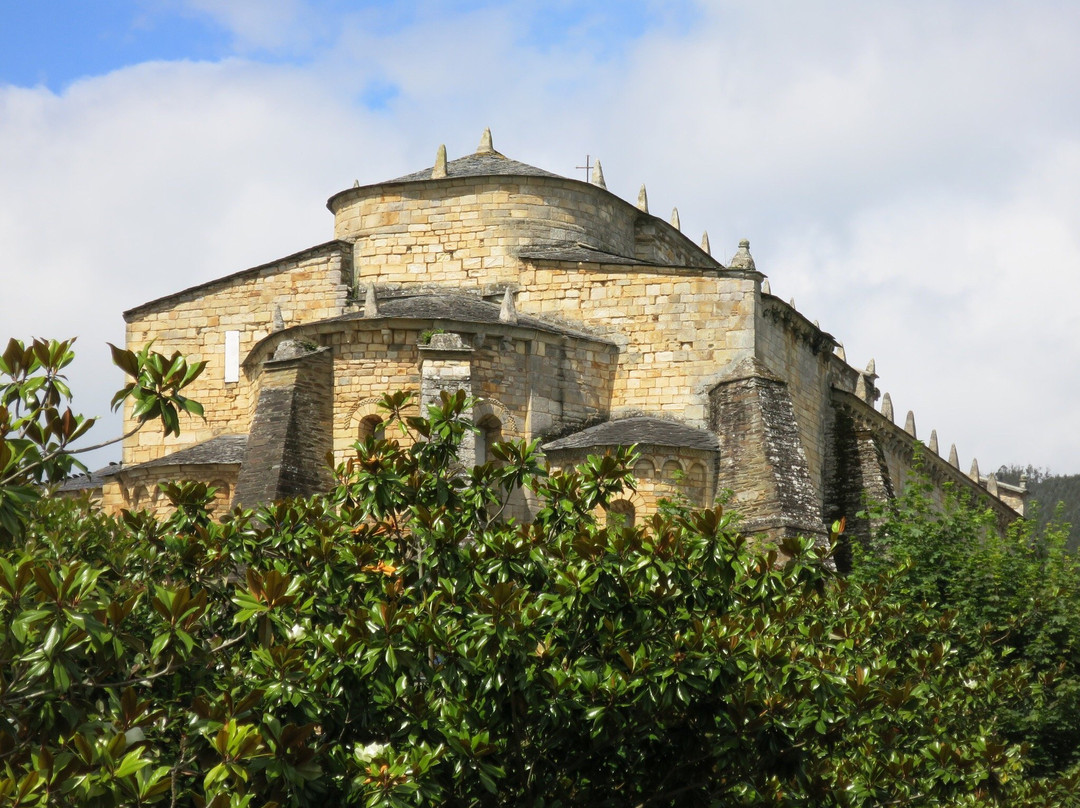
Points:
(643, 429)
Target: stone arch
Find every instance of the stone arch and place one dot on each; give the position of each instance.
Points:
(364, 408)
(137, 498)
(645, 469)
(222, 497)
(371, 426)
(697, 483)
(492, 407)
(491, 432)
(621, 513)
(672, 471)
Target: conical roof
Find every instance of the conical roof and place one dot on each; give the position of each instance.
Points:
(479, 165)
(484, 162)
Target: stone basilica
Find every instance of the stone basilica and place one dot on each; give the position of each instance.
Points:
(567, 313)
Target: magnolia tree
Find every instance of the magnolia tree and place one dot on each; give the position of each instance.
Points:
(38, 429)
(397, 642)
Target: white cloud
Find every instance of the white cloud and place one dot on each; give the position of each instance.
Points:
(157, 177)
(257, 25)
(908, 172)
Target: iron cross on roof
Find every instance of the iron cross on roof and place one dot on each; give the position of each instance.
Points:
(587, 167)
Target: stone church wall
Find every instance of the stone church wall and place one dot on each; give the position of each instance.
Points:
(662, 472)
(368, 363)
(309, 286)
(137, 489)
(676, 330)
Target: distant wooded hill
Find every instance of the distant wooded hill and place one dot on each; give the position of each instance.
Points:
(1057, 495)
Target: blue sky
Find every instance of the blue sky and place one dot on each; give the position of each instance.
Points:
(55, 42)
(908, 172)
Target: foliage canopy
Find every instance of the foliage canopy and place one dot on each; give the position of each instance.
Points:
(398, 642)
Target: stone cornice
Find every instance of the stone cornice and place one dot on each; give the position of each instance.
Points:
(895, 438)
(773, 308)
(263, 347)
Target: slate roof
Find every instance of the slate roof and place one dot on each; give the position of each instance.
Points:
(639, 429)
(467, 308)
(224, 449)
(581, 252)
(92, 479)
(480, 165)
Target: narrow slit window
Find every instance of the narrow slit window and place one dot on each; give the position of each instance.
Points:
(232, 356)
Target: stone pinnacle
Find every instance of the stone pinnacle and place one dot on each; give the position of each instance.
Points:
(860, 388)
(933, 441)
(508, 311)
(742, 258)
(675, 219)
(485, 146)
(643, 199)
(886, 406)
(598, 175)
(705, 243)
(909, 423)
(371, 304)
(439, 171)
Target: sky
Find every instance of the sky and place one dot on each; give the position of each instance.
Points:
(908, 172)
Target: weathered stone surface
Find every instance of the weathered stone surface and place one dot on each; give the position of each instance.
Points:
(742, 258)
(439, 170)
(290, 436)
(643, 199)
(761, 457)
(598, 175)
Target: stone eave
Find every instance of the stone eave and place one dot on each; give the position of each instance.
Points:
(937, 465)
(802, 319)
(410, 323)
(221, 450)
(636, 265)
(328, 247)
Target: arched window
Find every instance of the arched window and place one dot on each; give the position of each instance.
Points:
(620, 514)
(644, 470)
(222, 496)
(696, 484)
(490, 434)
(673, 472)
(371, 426)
